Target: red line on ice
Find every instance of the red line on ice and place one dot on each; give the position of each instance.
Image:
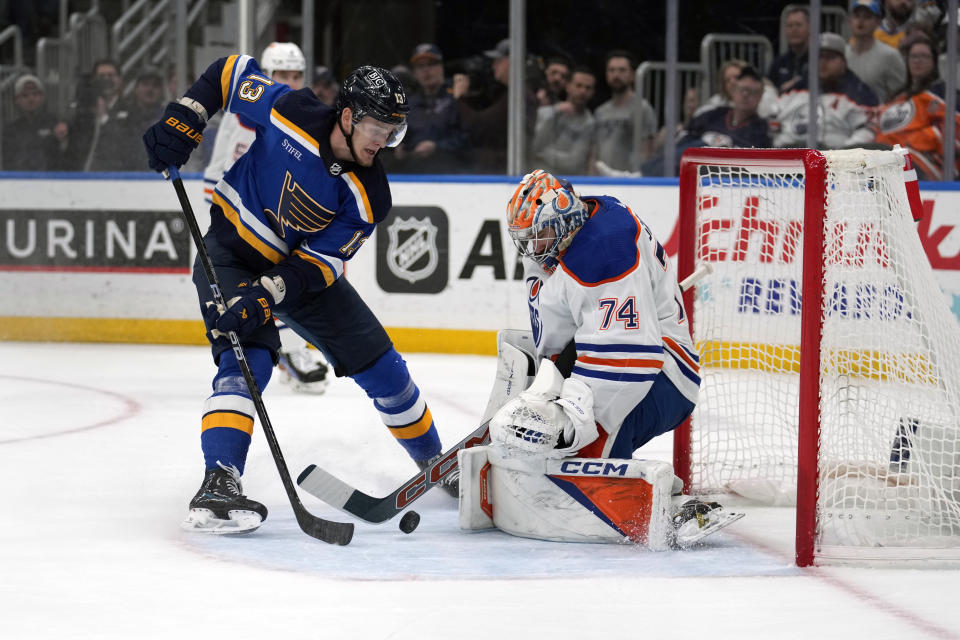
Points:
(131, 408)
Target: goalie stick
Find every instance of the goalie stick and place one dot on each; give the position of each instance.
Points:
(326, 530)
(327, 487)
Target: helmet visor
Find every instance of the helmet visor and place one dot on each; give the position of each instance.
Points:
(389, 134)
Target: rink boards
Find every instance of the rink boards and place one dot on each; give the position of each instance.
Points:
(106, 258)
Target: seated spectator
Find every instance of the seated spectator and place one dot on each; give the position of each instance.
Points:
(880, 66)
(915, 117)
(738, 125)
(325, 85)
(626, 123)
(556, 73)
(120, 147)
(729, 72)
(36, 140)
(565, 130)
(846, 104)
(435, 139)
(788, 69)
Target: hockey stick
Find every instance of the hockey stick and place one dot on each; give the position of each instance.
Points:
(337, 493)
(326, 530)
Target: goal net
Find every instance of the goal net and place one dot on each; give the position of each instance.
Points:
(848, 405)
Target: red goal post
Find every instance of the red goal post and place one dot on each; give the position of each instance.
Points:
(785, 413)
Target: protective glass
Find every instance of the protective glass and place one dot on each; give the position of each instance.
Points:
(389, 134)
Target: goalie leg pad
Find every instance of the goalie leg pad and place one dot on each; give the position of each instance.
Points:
(568, 500)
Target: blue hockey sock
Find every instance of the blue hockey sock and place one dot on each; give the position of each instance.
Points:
(228, 414)
(401, 407)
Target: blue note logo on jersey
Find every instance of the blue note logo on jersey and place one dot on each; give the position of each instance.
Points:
(534, 284)
(298, 210)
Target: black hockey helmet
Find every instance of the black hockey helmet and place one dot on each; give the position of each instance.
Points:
(375, 92)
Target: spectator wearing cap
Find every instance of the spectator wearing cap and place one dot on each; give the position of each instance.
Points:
(877, 64)
(788, 69)
(565, 131)
(119, 147)
(435, 140)
(325, 85)
(35, 140)
(626, 123)
(846, 104)
(486, 126)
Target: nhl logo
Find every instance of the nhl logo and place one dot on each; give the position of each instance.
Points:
(412, 248)
(335, 169)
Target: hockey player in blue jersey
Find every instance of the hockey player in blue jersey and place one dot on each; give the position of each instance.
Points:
(284, 221)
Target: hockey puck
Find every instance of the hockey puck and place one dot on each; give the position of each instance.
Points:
(409, 521)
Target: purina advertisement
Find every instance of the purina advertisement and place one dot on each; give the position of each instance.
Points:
(84, 256)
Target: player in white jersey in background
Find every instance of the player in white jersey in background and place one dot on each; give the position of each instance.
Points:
(602, 294)
(303, 368)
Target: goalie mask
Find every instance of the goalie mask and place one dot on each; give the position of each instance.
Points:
(543, 216)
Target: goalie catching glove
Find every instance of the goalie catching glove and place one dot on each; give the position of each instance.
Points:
(247, 312)
(553, 417)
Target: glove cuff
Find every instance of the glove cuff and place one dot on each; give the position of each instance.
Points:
(275, 286)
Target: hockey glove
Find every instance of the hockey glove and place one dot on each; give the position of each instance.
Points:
(171, 140)
(553, 417)
(248, 311)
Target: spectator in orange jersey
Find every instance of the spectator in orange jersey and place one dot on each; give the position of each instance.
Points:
(915, 117)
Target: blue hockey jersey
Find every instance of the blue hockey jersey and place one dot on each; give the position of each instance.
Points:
(288, 199)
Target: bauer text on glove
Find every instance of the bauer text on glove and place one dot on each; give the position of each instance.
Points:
(171, 140)
(250, 309)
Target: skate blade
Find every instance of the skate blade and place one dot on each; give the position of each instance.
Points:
(717, 521)
(204, 521)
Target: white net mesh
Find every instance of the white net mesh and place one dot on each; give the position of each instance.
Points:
(889, 465)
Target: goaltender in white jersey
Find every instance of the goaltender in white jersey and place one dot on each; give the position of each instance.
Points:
(602, 294)
(303, 368)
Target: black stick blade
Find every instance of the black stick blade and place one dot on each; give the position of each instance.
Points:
(339, 533)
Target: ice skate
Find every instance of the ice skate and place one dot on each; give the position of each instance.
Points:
(695, 520)
(304, 370)
(450, 482)
(220, 506)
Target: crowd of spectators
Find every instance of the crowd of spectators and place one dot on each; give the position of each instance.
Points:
(103, 132)
(879, 88)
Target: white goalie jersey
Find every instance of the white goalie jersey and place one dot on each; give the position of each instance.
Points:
(616, 295)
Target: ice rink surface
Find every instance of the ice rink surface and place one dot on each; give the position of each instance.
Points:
(99, 455)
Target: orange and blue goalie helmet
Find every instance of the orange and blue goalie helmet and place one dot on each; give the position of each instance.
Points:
(542, 216)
